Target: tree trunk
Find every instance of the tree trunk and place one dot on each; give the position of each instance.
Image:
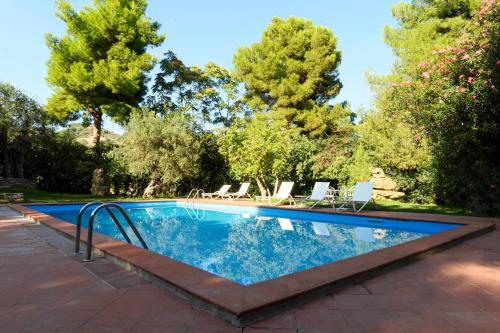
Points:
(100, 185)
(276, 183)
(153, 187)
(7, 163)
(19, 165)
(262, 186)
(97, 117)
(7, 166)
(98, 177)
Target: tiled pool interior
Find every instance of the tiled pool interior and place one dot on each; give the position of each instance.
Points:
(250, 244)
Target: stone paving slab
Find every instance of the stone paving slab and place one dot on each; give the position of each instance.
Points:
(43, 288)
(244, 305)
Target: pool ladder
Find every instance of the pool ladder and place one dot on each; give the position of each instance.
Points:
(190, 200)
(107, 207)
(193, 195)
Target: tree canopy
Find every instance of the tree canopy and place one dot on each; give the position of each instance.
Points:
(100, 65)
(434, 126)
(164, 150)
(210, 94)
(292, 70)
(424, 25)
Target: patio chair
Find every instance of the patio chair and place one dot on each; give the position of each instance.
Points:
(218, 194)
(282, 195)
(362, 195)
(318, 194)
(242, 192)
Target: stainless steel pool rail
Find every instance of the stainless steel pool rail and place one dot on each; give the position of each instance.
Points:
(79, 223)
(193, 195)
(107, 207)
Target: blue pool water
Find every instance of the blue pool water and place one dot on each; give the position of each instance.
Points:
(247, 244)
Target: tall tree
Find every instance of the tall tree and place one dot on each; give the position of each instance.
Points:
(292, 71)
(210, 94)
(100, 65)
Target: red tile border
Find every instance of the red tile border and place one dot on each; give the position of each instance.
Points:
(242, 305)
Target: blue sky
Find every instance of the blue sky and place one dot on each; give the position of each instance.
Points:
(202, 31)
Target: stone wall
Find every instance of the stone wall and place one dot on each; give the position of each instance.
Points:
(384, 186)
(16, 182)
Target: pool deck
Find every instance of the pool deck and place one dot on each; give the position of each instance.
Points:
(44, 288)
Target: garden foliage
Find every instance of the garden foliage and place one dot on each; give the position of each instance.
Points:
(434, 126)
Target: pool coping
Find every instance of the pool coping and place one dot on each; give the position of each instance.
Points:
(242, 305)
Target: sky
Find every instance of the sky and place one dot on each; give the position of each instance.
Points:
(200, 31)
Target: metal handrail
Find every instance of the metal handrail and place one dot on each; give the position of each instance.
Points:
(194, 214)
(108, 207)
(79, 224)
(191, 192)
(196, 194)
(196, 191)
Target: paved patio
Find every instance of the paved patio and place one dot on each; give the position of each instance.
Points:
(45, 289)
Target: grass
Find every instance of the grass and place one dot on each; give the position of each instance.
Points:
(396, 206)
(37, 196)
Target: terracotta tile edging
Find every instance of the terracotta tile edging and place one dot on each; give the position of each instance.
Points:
(243, 305)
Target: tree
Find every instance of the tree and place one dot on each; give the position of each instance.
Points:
(290, 79)
(100, 65)
(443, 98)
(424, 25)
(401, 151)
(266, 150)
(210, 94)
(453, 97)
(164, 150)
(391, 139)
(21, 118)
(58, 162)
(292, 71)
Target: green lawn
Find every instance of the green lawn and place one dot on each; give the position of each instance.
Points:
(34, 196)
(396, 206)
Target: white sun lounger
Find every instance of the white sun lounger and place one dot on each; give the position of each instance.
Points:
(242, 192)
(282, 195)
(318, 194)
(218, 194)
(362, 195)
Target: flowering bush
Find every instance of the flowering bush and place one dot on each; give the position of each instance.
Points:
(453, 99)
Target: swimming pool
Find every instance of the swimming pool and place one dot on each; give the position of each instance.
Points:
(247, 244)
